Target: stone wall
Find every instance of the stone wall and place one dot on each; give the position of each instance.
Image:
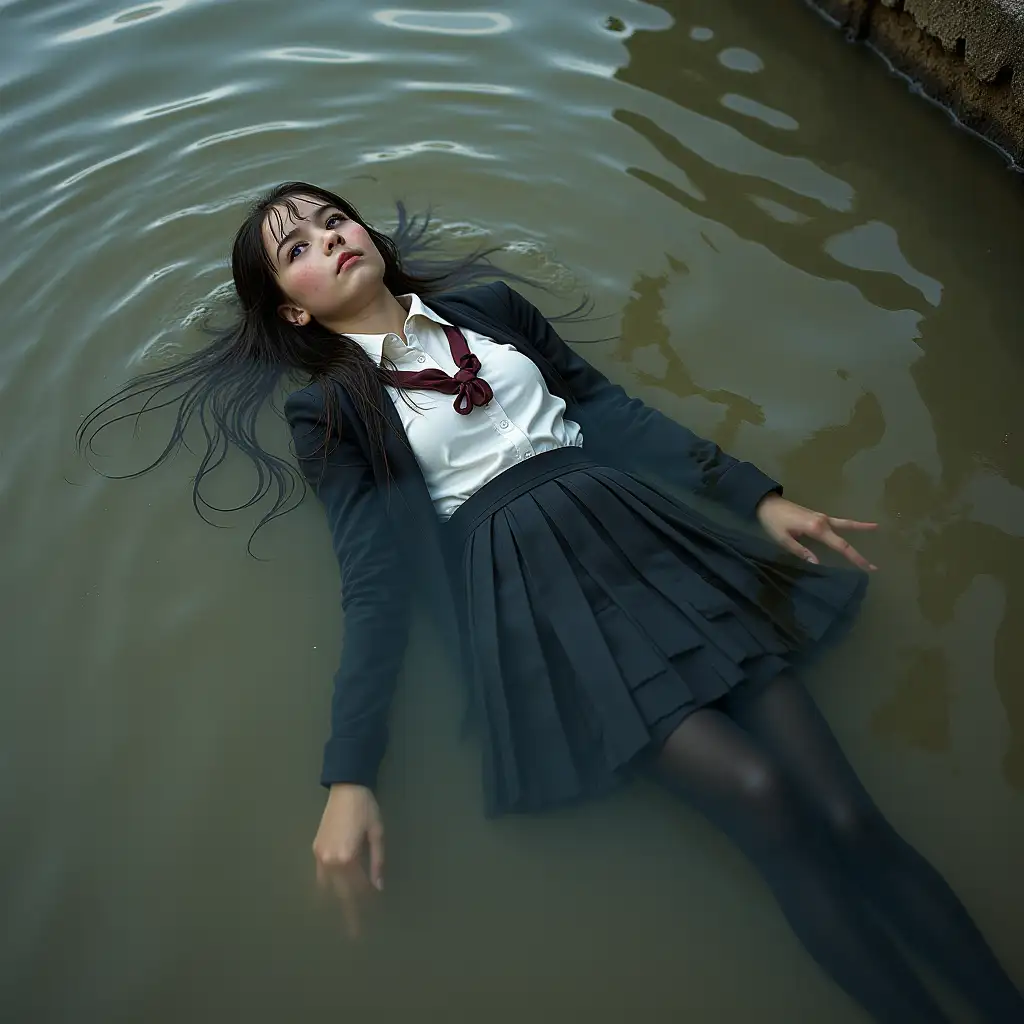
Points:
(967, 54)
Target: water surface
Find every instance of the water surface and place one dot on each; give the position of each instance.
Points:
(803, 261)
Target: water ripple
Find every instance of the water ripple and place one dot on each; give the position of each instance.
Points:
(875, 246)
(197, 210)
(319, 55)
(477, 87)
(174, 106)
(150, 279)
(735, 58)
(751, 108)
(427, 146)
(584, 67)
(99, 165)
(36, 173)
(254, 129)
(448, 23)
(779, 211)
(679, 134)
(123, 19)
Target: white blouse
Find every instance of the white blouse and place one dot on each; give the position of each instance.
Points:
(459, 454)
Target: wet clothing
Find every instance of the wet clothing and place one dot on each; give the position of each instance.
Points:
(456, 454)
(599, 612)
(674, 608)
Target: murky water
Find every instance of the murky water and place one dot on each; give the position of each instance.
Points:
(805, 263)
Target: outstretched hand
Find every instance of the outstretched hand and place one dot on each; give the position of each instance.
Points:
(350, 827)
(784, 521)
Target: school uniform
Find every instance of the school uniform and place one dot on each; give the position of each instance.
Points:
(560, 531)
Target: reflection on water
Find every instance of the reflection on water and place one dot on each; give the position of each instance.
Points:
(123, 19)
(793, 279)
(953, 552)
(656, 361)
(451, 23)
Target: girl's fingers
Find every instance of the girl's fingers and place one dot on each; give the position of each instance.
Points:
(790, 543)
(376, 840)
(850, 524)
(349, 901)
(847, 550)
(350, 886)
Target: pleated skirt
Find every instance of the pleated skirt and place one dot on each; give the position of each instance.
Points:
(598, 612)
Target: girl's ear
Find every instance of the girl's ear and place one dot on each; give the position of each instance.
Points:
(294, 314)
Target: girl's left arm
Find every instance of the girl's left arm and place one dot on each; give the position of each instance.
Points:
(666, 448)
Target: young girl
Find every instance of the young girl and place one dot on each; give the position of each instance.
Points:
(624, 596)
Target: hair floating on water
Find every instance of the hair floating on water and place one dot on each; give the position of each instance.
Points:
(225, 385)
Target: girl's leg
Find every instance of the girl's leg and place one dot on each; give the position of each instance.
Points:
(901, 884)
(719, 768)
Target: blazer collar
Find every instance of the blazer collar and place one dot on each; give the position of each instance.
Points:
(465, 309)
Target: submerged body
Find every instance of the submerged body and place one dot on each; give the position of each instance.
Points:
(594, 610)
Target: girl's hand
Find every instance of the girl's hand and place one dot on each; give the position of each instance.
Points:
(784, 521)
(351, 821)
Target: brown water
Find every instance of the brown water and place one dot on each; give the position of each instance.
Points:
(805, 262)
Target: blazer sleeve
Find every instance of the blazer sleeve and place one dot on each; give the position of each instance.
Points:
(655, 442)
(374, 592)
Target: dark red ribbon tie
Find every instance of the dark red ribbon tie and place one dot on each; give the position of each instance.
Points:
(469, 389)
(473, 390)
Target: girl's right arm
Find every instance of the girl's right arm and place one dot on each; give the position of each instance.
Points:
(374, 593)
(375, 602)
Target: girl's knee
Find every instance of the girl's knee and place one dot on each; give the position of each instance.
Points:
(762, 786)
(768, 803)
(857, 826)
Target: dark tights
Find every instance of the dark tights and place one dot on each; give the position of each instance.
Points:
(767, 770)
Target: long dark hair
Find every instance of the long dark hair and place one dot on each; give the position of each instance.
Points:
(224, 386)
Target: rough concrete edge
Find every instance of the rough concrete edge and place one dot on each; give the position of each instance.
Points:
(992, 34)
(968, 55)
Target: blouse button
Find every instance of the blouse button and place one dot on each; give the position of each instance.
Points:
(421, 359)
(503, 424)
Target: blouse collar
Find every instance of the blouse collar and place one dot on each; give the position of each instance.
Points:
(373, 344)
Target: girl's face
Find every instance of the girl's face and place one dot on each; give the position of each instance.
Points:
(327, 265)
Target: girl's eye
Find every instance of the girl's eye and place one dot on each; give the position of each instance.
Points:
(296, 250)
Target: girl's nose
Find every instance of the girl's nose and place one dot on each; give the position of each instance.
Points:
(331, 239)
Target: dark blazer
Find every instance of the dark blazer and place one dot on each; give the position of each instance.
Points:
(386, 533)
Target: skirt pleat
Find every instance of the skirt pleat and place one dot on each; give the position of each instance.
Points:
(530, 688)
(598, 612)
